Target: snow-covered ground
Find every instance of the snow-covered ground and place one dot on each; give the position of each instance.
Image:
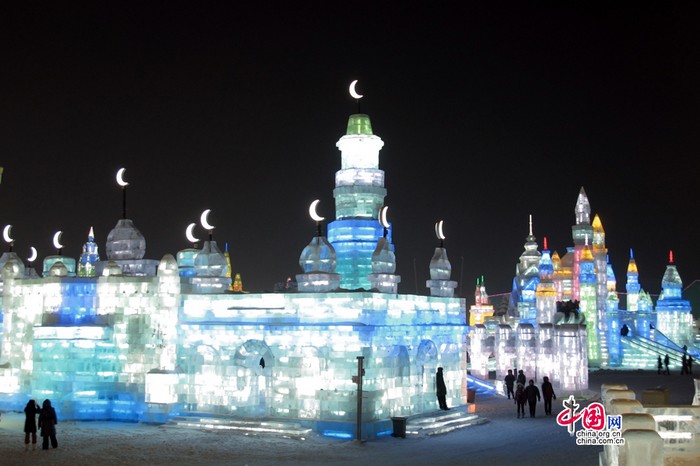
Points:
(504, 440)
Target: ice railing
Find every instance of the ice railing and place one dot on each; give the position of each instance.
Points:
(668, 432)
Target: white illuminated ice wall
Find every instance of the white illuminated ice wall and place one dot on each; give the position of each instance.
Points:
(141, 340)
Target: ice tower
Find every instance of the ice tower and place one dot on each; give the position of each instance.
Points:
(359, 195)
(587, 292)
(632, 285)
(580, 231)
(523, 299)
(546, 294)
(674, 316)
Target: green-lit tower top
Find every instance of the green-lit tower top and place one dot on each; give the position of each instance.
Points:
(359, 124)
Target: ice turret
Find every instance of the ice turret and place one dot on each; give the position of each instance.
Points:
(125, 242)
(318, 262)
(481, 308)
(632, 285)
(523, 300)
(440, 269)
(546, 294)
(674, 316)
(583, 209)
(89, 257)
(126, 247)
(383, 278)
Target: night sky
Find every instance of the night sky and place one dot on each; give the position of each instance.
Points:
(488, 114)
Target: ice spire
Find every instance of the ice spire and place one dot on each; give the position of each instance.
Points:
(583, 208)
(671, 283)
(632, 285)
(89, 256)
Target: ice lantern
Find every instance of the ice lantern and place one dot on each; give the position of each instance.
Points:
(317, 261)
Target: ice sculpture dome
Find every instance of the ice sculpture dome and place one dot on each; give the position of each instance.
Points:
(58, 269)
(318, 256)
(671, 278)
(210, 261)
(440, 267)
(125, 242)
(14, 267)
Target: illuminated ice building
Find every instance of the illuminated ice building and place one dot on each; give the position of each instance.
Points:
(128, 338)
(564, 314)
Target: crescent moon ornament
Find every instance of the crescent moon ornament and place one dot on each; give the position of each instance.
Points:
(312, 212)
(6, 234)
(189, 235)
(57, 240)
(382, 217)
(120, 178)
(32, 257)
(438, 231)
(204, 220)
(353, 92)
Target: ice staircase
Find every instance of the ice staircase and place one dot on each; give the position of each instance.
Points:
(442, 422)
(643, 353)
(210, 422)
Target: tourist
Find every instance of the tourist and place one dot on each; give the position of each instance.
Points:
(690, 364)
(441, 389)
(548, 395)
(510, 381)
(521, 378)
(684, 365)
(47, 424)
(666, 361)
(30, 412)
(532, 393)
(660, 365)
(520, 399)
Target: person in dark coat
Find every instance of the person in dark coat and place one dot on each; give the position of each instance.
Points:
(47, 424)
(666, 362)
(510, 381)
(521, 378)
(30, 412)
(548, 395)
(532, 393)
(520, 399)
(441, 389)
(659, 365)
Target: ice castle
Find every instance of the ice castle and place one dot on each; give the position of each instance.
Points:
(135, 339)
(564, 314)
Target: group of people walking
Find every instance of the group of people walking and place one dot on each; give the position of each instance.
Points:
(686, 364)
(46, 424)
(529, 393)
